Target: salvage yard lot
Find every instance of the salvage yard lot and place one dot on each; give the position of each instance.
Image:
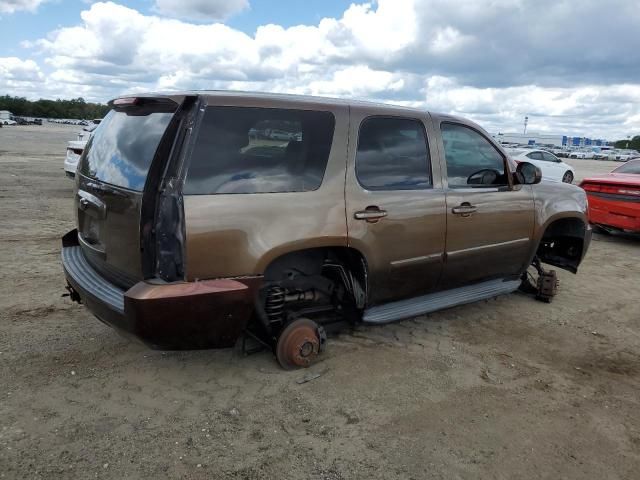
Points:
(507, 388)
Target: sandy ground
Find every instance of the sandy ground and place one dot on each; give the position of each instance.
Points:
(508, 388)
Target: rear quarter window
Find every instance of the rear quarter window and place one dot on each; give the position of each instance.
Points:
(259, 150)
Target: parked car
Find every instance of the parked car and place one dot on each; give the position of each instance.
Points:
(622, 155)
(582, 154)
(614, 199)
(6, 121)
(191, 233)
(553, 169)
(75, 149)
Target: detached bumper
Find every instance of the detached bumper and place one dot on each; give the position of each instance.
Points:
(177, 316)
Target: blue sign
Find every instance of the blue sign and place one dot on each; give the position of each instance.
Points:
(576, 141)
(564, 140)
(532, 142)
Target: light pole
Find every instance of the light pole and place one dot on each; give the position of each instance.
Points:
(526, 120)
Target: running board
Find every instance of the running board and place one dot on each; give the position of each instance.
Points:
(412, 307)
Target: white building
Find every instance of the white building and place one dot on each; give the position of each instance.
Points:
(5, 115)
(534, 138)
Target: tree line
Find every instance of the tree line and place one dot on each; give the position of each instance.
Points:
(632, 143)
(75, 108)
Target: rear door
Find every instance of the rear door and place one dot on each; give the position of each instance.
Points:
(111, 183)
(489, 220)
(395, 203)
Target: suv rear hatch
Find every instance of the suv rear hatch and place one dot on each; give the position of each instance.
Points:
(118, 178)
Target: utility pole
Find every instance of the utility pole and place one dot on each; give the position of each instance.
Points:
(526, 120)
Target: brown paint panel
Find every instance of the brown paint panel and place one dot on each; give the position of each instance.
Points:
(230, 235)
(404, 249)
(209, 314)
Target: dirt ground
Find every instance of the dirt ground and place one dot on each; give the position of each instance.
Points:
(508, 388)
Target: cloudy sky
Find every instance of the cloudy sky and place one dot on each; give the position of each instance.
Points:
(572, 66)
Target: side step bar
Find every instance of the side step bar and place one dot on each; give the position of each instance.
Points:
(412, 307)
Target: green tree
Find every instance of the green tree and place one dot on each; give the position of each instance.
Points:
(76, 108)
(632, 143)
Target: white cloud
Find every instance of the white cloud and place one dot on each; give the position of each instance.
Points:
(13, 68)
(11, 6)
(495, 62)
(586, 110)
(20, 76)
(201, 9)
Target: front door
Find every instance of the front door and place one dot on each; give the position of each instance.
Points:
(395, 204)
(489, 219)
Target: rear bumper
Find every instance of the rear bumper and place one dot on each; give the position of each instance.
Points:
(623, 215)
(176, 316)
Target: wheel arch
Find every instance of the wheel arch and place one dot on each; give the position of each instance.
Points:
(563, 241)
(311, 256)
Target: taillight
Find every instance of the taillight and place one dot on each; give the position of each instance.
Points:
(611, 189)
(126, 102)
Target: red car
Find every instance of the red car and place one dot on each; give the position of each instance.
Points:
(614, 198)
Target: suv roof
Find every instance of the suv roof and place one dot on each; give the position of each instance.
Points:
(294, 99)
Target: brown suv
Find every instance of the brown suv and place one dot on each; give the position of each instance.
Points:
(206, 215)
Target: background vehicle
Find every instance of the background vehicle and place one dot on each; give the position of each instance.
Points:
(553, 169)
(622, 155)
(582, 154)
(192, 230)
(75, 149)
(614, 199)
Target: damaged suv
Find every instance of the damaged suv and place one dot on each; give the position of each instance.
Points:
(204, 217)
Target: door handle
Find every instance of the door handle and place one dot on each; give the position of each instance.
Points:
(370, 214)
(465, 209)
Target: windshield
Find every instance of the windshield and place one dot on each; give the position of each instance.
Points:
(122, 148)
(632, 167)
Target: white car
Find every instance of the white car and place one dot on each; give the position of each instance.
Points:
(8, 122)
(553, 169)
(75, 149)
(584, 154)
(622, 155)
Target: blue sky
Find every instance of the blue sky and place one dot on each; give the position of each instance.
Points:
(25, 25)
(495, 61)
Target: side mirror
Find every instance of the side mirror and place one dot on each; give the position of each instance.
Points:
(528, 174)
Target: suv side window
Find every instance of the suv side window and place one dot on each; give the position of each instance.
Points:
(472, 161)
(259, 150)
(393, 154)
